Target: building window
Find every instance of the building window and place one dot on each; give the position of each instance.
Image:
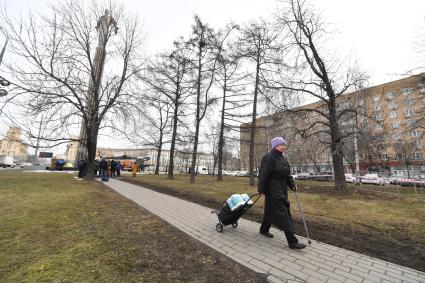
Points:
(393, 114)
(376, 107)
(415, 134)
(378, 117)
(422, 88)
(410, 122)
(409, 112)
(418, 144)
(397, 145)
(409, 102)
(392, 105)
(399, 156)
(395, 125)
(379, 127)
(375, 98)
(390, 95)
(396, 136)
(407, 91)
(417, 156)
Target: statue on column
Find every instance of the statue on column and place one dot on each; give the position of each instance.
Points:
(103, 25)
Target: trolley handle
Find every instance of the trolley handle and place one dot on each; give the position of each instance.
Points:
(258, 195)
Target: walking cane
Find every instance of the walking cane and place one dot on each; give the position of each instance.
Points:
(302, 214)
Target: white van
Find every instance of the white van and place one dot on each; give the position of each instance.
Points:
(201, 170)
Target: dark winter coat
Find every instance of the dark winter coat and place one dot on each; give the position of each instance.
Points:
(274, 180)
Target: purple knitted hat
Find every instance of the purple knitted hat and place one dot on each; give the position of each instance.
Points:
(277, 141)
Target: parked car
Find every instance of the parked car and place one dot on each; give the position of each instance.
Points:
(303, 176)
(229, 173)
(242, 173)
(350, 178)
(373, 179)
(26, 164)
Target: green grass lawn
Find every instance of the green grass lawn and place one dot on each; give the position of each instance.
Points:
(56, 229)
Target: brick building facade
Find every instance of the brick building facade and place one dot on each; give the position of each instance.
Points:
(388, 124)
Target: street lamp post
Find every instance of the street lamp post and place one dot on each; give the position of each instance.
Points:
(103, 28)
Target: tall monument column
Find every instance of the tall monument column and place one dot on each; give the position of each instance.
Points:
(103, 27)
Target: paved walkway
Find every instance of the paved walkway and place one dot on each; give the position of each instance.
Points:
(318, 262)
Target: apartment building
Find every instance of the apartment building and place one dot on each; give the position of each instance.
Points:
(386, 130)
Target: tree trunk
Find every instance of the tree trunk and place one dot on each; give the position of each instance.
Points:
(198, 98)
(173, 141)
(91, 146)
(254, 125)
(221, 136)
(158, 157)
(336, 149)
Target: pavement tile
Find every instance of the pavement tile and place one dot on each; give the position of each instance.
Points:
(414, 277)
(306, 264)
(331, 275)
(366, 277)
(322, 265)
(274, 279)
(261, 264)
(386, 277)
(241, 256)
(314, 275)
(281, 274)
(349, 275)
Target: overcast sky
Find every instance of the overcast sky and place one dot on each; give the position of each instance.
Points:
(381, 34)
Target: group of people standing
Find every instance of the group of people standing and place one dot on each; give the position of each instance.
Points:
(109, 168)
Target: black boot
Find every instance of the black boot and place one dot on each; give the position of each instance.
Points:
(297, 246)
(267, 234)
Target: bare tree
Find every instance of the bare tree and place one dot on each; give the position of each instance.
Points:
(168, 76)
(153, 124)
(230, 81)
(258, 44)
(57, 73)
(317, 75)
(206, 46)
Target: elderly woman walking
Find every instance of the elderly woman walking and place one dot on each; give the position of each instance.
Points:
(274, 180)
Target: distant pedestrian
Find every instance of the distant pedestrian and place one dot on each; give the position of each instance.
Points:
(274, 180)
(118, 168)
(96, 168)
(82, 168)
(102, 166)
(113, 168)
(108, 168)
(134, 169)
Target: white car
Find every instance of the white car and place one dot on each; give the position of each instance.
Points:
(373, 179)
(26, 164)
(242, 173)
(350, 178)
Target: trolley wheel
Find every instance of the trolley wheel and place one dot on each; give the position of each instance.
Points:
(219, 227)
(234, 225)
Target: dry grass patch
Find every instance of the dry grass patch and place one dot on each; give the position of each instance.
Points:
(57, 229)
